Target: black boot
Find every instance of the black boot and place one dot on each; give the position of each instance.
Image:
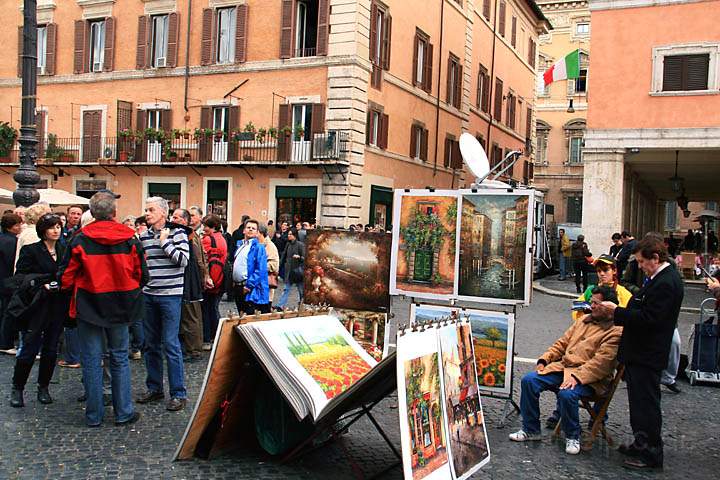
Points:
(43, 395)
(46, 368)
(16, 398)
(21, 373)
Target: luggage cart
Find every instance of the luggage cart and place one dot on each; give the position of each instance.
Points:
(704, 365)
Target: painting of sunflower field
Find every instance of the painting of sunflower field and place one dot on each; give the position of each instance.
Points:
(329, 360)
(492, 339)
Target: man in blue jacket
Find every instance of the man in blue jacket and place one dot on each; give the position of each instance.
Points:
(250, 276)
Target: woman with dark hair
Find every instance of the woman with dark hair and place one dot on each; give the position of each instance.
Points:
(216, 251)
(41, 329)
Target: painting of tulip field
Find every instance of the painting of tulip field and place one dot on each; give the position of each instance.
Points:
(329, 360)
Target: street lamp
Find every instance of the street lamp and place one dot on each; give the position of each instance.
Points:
(27, 176)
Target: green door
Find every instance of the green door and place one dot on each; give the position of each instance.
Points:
(423, 265)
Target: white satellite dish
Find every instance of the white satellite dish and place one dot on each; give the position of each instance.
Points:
(474, 155)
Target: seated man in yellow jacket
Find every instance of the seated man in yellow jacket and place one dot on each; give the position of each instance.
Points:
(579, 364)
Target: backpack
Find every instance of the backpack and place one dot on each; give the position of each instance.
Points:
(216, 269)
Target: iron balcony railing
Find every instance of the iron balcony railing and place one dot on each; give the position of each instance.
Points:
(217, 148)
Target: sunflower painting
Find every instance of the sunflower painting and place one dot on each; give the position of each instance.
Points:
(493, 341)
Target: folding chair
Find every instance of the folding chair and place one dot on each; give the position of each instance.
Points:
(598, 423)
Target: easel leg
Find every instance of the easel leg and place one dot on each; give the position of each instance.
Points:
(382, 433)
(509, 409)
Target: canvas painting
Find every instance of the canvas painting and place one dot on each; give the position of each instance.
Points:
(469, 448)
(421, 407)
(495, 264)
(493, 342)
(348, 269)
(320, 352)
(368, 329)
(424, 243)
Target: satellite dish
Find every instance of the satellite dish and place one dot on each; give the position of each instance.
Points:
(474, 155)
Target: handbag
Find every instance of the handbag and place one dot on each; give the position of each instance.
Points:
(297, 274)
(273, 280)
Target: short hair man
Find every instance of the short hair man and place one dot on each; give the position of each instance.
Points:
(167, 251)
(250, 277)
(196, 278)
(196, 217)
(105, 269)
(581, 362)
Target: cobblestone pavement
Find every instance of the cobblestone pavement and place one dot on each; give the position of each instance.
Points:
(52, 442)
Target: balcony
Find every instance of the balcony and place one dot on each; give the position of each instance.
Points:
(207, 148)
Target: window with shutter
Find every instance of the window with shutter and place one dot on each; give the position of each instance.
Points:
(173, 37)
(528, 123)
(286, 28)
(51, 49)
(385, 127)
(96, 45)
(427, 84)
(109, 58)
(486, 9)
(225, 34)
(501, 18)
(241, 37)
(513, 32)
(420, 58)
(41, 49)
(531, 52)
(414, 141)
(424, 144)
(323, 27)
(497, 112)
(685, 72)
(485, 101)
(79, 62)
(159, 37)
(454, 81)
(142, 42)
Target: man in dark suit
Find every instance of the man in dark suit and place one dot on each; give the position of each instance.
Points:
(648, 322)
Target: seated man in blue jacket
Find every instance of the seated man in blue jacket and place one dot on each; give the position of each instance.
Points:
(250, 276)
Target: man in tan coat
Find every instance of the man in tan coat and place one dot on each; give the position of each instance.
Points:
(580, 363)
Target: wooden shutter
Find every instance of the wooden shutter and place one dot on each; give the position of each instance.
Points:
(384, 126)
(486, 93)
(413, 140)
(532, 52)
(173, 39)
(456, 156)
(79, 59)
(142, 42)
(446, 159)
(697, 72)
(416, 46)
(233, 124)
(368, 127)
(40, 126)
(318, 119)
(207, 40)
(672, 73)
(513, 32)
(387, 37)
(498, 99)
(205, 143)
(448, 81)
(323, 28)
(528, 124)
(51, 48)
(486, 9)
(141, 145)
(427, 76)
(286, 28)
(241, 27)
(20, 51)
(424, 145)
(458, 86)
(284, 142)
(108, 60)
(373, 31)
(501, 25)
(166, 120)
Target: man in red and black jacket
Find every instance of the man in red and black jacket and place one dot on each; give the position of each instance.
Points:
(105, 268)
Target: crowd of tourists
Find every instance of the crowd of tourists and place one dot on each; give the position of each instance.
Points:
(104, 291)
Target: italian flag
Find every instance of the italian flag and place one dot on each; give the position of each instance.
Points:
(568, 67)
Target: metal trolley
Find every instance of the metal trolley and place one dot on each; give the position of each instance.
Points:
(704, 366)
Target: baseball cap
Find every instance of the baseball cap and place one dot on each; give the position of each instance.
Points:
(605, 258)
(106, 190)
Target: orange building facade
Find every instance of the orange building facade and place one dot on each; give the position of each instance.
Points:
(655, 104)
(285, 110)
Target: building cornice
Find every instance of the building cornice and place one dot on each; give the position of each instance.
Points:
(596, 5)
(672, 138)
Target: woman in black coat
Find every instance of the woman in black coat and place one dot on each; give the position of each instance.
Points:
(41, 333)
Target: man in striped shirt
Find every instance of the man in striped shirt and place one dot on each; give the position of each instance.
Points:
(167, 252)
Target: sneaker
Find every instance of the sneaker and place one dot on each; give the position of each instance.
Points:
(135, 355)
(523, 436)
(9, 351)
(176, 404)
(572, 446)
(206, 347)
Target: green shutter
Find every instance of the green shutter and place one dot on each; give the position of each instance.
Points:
(295, 192)
(159, 189)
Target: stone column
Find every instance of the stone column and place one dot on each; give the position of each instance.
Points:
(602, 196)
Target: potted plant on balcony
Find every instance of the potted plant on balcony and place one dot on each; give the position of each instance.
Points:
(299, 130)
(219, 134)
(185, 132)
(8, 135)
(248, 133)
(53, 153)
(273, 132)
(261, 134)
(286, 130)
(127, 136)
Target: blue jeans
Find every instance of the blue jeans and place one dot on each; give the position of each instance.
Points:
(211, 316)
(137, 336)
(92, 347)
(162, 327)
(72, 346)
(286, 293)
(562, 262)
(533, 384)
